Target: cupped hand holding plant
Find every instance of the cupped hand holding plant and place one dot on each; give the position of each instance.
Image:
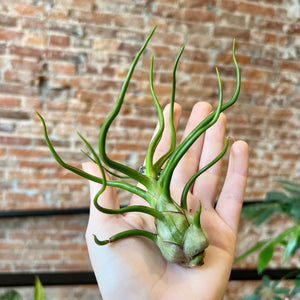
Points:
(134, 268)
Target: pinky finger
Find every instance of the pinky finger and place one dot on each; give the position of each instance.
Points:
(108, 198)
(231, 198)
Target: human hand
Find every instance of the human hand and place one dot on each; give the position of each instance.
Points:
(134, 268)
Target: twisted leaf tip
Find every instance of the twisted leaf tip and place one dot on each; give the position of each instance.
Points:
(178, 235)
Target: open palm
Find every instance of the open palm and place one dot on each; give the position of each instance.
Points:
(134, 268)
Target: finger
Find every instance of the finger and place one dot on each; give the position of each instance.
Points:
(188, 165)
(231, 198)
(107, 199)
(206, 185)
(164, 143)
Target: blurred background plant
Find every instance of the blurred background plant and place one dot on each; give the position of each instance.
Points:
(275, 202)
(39, 293)
(275, 290)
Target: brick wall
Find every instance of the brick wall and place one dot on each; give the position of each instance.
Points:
(68, 59)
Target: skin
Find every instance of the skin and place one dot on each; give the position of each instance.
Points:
(134, 266)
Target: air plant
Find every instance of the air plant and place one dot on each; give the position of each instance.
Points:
(179, 235)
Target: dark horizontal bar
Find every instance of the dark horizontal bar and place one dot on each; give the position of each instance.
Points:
(88, 277)
(43, 212)
(47, 278)
(252, 274)
(58, 211)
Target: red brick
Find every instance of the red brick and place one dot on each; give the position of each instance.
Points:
(85, 95)
(228, 5)
(257, 75)
(166, 11)
(196, 3)
(56, 105)
(128, 20)
(72, 186)
(90, 119)
(129, 147)
(2, 151)
(64, 29)
(34, 39)
(131, 49)
(255, 9)
(25, 173)
(38, 165)
(226, 58)
(106, 44)
(15, 114)
(196, 55)
(276, 39)
(137, 123)
(281, 113)
(33, 23)
(25, 51)
(6, 20)
(63, 68)
(77, 82)
(271, 25)
(77, 4)
(280, 89)
(99, 108)
(11, 245)
(14, 140)
(18, 89)
(51, 256)
(32, 103)
(54, 54)
(295, 102)
(27, 65)
(98, 18)
(10, 35)
(56, 14)
(198, 15)
(290, 65)
(263, 62)
(59, 41)
(293, 28)
(21, 77)
(231, 19)
(28, 153)
(191, 67)
(233, 33)
(27, 9)
(9, 101)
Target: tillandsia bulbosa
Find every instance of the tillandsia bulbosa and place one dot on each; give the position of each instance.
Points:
(179, 235)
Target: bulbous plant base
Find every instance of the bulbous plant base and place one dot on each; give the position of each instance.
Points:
(181, 254)
(179, 235)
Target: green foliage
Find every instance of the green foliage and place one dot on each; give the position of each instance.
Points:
(288, 204)
(274, 290)
(39, 293)
(11, 295)
(276, 202)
